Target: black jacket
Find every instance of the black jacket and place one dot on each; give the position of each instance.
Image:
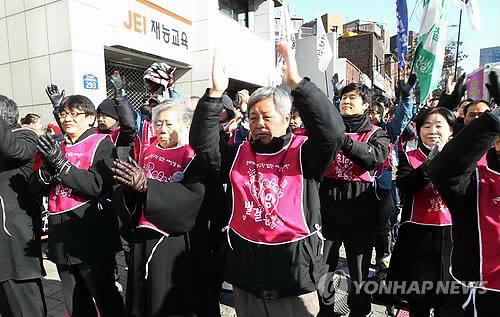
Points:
(453, 173)
(288, 269)
(91, 230)
(20, 218)
(349, 203)
(422, 252)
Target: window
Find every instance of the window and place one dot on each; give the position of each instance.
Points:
(238, 10)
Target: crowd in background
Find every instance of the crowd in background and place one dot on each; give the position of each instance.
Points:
(260, 190)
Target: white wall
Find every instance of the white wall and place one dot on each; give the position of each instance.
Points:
(59, 41)
(307, 62)
(249, 56)
(35, 51)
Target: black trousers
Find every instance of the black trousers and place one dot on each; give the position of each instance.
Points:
(168, 288)
(22, 298)
(385, 210)
(94, 280)
(487, 303)
(358, 243)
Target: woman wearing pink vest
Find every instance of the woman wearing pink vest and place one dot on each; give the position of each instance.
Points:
(472, 192)
(83, 232)
(163, 194)
(422, 250)
(274, 242)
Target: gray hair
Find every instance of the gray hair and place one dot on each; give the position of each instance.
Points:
(8, 111)
(281, 98)
(174, 105)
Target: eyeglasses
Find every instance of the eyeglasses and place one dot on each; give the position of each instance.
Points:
(73, 114)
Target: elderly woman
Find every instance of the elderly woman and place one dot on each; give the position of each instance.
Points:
(164, 194)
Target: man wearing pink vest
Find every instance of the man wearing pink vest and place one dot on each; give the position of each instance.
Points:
(21, 268)
(471, 191)
(348, 197)
(274, 241)
(83, 231)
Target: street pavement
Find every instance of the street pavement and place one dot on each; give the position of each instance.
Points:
(55, 298)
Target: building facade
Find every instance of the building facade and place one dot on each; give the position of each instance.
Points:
(76, 44)
(366, 52)
(489, 55)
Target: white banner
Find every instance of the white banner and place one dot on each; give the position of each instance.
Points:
(323, 49)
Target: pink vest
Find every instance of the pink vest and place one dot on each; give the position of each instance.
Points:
(482, 161)
(166, 166)
(300, 131)
(388, 164)
(148, 134)
(81, 155)
(343, 168)
(114, 134)
(489, 225)
(267, 192)
(428, 207)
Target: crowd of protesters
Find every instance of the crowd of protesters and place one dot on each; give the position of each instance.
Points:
(260, 191)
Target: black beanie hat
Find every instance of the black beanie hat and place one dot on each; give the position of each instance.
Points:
(107, 107)
(228, 105)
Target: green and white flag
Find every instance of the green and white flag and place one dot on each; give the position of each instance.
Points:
(429, 55)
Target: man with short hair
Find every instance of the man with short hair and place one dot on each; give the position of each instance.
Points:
(348, 192)
(83, 231)
(273, 254)
(21, 269)
(474, 109)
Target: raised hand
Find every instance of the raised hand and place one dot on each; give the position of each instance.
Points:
(118, 83)
(291, 76)
(130, 175)
(435, 151)
(55, 97)
(337, 85)
(233, 123)
(406, 88)
(459, 88)
(220, 79)
(493, 87)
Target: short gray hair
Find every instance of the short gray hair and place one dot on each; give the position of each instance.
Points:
(9, 110)
(281, 98)
(174, 105)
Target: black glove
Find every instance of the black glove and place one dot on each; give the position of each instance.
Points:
(405, 89)
(118, 83)
(130, 175)
(346, 144)
(493, 87)
(460, 87)
(47, 175)
(337, 86)
(432, 154)
(52, 154)
(55, 97)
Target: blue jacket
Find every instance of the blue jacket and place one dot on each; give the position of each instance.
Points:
(402, 117)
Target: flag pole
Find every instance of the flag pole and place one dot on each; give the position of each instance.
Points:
(458, 44)
(326, 82)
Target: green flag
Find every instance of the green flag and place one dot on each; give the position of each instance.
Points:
(429, 55)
